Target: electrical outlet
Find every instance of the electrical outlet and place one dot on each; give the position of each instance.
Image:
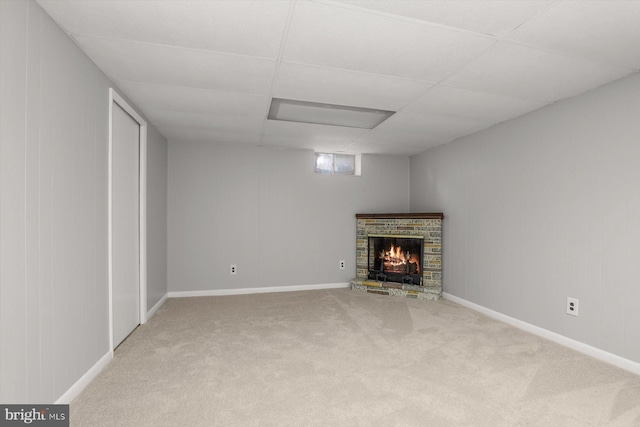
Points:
(341, 264)
(572, 306)
(233, 269)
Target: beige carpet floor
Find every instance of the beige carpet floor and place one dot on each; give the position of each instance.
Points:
(344, 358)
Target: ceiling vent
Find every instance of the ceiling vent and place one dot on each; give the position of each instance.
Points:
(326, 114)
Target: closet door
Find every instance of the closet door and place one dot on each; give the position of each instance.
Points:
(126, 226)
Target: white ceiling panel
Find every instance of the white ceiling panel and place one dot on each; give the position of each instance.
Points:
(192, 100)
(394, 137)
(313, 132)
(210, 137)
(341, 87)
(340, 37)
(212, 122)
(522, 72)
(430, 125)
(605, 30)
(398, 148)
(211, 25)
(206, 71)
(149, 63)
(330, 146)
(481, 106)
(487, 16)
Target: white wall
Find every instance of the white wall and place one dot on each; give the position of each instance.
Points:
(266, 211)
(157, 164)
(544, 207)
(53, 208)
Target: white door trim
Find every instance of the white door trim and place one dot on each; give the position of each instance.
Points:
(115, 97)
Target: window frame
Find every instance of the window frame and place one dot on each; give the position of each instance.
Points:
(356, 171)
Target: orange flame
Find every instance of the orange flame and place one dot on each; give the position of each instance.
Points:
(395, 257)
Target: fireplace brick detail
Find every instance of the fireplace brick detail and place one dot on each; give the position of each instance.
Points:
(428, 225)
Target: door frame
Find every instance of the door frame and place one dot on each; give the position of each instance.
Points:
(142, 209)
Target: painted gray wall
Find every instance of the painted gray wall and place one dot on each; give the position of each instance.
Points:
(268, 212)
(157, 164)
(544, 207)
(53, 208)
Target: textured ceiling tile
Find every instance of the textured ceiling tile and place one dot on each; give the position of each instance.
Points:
(317, 133)
(206, 136)
(397, 148)
(212, 122)
(186, 99)
(487, 16)
(339, 37)
(431, 125)
(521, 72)
(147, 63)
(304, 143)
(196, 67)
(450, 101)
(246, 27)
(604, 30)
(400, 137)
(317, 84)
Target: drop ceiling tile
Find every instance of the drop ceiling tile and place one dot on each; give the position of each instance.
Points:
(328, 85)
(429, 125)
(191, 100)
(339, 37)
(394, 149)
(245, 27)
(400, 137)
(211, 122)
(205, 136)
(133, 61)
(604, 30)
(317, 133)
(487, 17)
(302, 143)
(481, 106)
(521, 72)
(380, 54)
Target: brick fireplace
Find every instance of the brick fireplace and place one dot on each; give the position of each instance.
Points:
(399, 254)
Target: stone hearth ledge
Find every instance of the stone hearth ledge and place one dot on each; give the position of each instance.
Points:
(395, 289)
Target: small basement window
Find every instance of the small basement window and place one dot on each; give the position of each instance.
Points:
(337, 164)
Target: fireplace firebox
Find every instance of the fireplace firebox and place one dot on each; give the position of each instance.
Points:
(395, 258)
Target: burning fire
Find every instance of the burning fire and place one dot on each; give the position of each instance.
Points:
(395, 257)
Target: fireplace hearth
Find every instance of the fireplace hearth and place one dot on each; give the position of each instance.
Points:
(399, 254)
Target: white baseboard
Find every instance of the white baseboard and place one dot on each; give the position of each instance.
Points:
(157, 306)
(244, 291)
(79, 385)
(594, 352)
